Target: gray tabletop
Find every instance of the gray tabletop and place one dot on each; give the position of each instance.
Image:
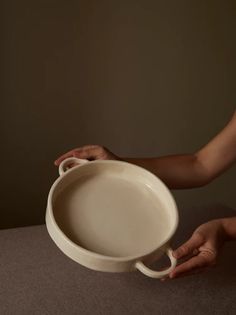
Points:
(36, 278)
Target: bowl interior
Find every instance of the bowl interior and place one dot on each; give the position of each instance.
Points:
(114, 209)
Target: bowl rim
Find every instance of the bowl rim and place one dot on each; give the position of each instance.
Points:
(53, 224)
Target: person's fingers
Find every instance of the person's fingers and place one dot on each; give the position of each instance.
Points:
(191, 265)
(63, 157)
(189, 273)
(184, 274)
(190, 247)
(86, 152)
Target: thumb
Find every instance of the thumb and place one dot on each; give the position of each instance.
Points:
(188, 247)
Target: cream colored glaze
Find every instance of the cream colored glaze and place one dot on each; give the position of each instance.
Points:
(111, 215)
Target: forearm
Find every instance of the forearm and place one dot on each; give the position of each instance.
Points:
(176, 171)
(229, 226)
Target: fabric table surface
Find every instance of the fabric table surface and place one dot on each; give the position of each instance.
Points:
(36, 278)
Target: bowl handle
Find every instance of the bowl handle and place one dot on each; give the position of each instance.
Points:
(157, 274)
(68, 163)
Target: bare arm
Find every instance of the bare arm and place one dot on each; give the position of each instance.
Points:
(198, 169)
(178, 171)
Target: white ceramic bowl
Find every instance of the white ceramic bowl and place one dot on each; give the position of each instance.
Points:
(111, 216)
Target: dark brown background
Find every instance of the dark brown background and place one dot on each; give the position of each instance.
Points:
(140, 77)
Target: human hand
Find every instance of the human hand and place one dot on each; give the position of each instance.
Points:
(201, 250)
(90, 152)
